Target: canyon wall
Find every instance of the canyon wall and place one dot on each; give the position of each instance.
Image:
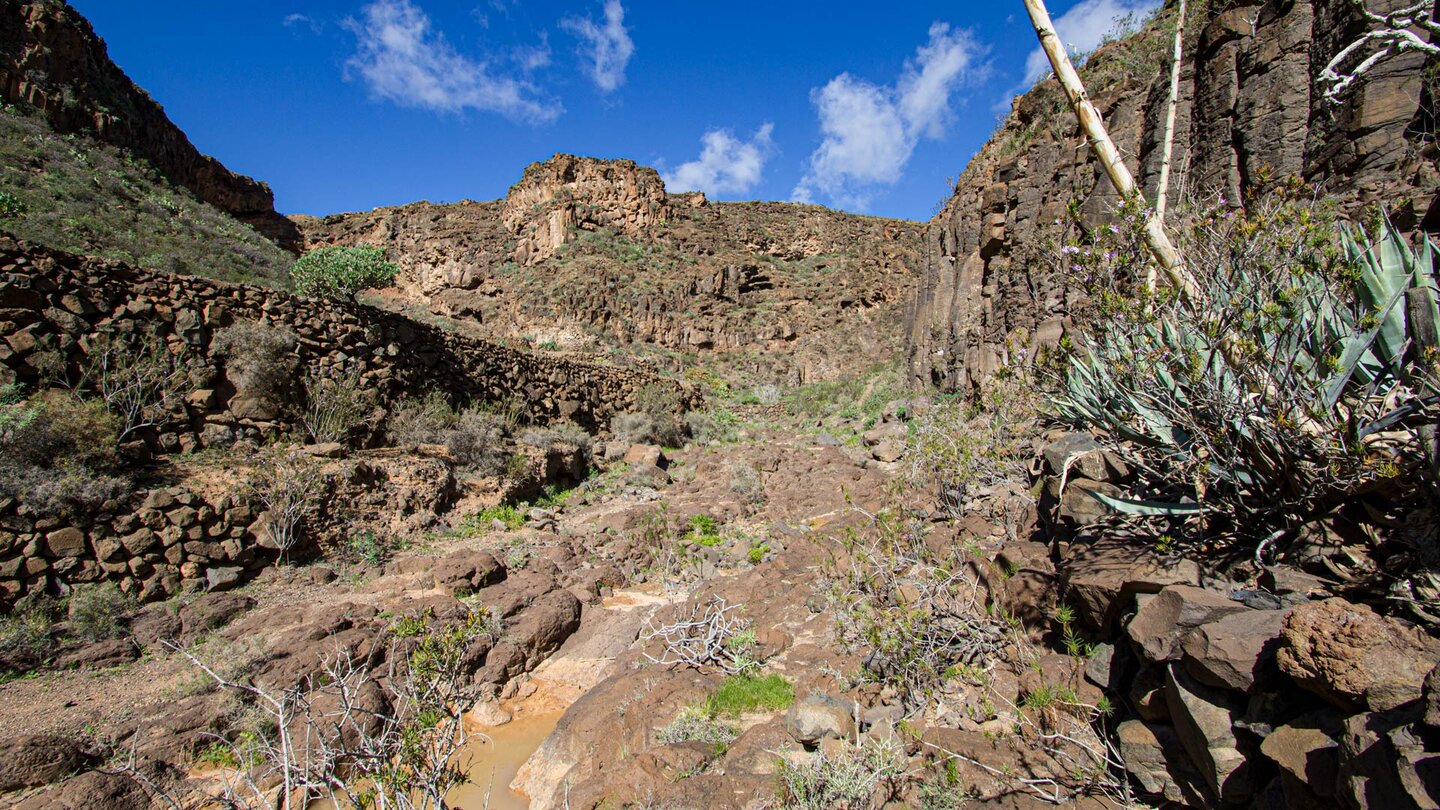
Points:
(1249, 110)
(51, 59)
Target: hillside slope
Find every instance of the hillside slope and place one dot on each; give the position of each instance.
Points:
(82, 196)
(1248, 111)
(587, 254)
(52, 60)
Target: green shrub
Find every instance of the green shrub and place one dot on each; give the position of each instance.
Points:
(477, 443)
(1286, 387)
(958, 446)
(632, 428)
(425, 420)
(98, 612)
(11, 206)
(339, 272)
(335, 403)
(858, 778)
(662, 403)
(697, 724)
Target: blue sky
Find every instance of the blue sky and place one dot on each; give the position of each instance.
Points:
(344, 106)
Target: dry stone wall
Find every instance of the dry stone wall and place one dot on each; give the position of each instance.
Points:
(51, 301)
(161, 540)
(1247, 111)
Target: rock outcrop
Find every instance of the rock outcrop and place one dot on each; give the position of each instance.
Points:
(1248, 111)
(51, 59)
(557, 198)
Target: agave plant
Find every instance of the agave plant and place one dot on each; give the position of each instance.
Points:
(1328, 370)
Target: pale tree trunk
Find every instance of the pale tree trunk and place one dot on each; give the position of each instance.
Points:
(1163, 190)
(1105, 151)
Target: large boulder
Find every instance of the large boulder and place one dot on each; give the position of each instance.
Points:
(1163, 620)
(1153, 755)
(1355, 658)
(1385, 764)
(90, 790)
(1236, 651)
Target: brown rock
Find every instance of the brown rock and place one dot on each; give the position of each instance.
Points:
(1307, 753)
(211, 612)
(1103, 577)
(465, 572)
(646, 454)
(1235, 651)
(1204, 719)
(1352, 657)
(817, 717)
(67, 542)
(1159, 625)
(89, 790)
(36, 759)
(109, 653)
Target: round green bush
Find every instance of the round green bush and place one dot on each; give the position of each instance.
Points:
(341, 271)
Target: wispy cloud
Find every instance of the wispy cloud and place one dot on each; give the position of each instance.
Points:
(869, 131)
(727, 165)
(607, 48)
(403, 60)
(1082, 29)
(301, 19)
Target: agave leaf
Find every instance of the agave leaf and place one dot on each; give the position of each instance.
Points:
(1134, 507)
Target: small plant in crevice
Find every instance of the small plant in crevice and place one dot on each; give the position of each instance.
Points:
(914, 611)
(866, 777)
(289, 486)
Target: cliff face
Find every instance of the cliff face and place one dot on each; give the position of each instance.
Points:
(583, 253)
(1248, 110)
(51, 59)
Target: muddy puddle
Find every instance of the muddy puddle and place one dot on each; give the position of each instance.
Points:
(496, 757)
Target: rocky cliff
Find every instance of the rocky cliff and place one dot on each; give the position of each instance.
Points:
(51, 59)
(1248, 111)
(585, 253)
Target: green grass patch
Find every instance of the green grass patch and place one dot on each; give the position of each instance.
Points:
(482, 522)
(738, 694)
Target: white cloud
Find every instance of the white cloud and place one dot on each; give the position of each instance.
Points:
(727, 165)
(402, 60)
(301, 19)
(1082, 28)
(607, 47)
(869, 131)
(534, 57)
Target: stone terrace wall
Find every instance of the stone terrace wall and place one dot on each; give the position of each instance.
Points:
(162, 540)
(49, 301)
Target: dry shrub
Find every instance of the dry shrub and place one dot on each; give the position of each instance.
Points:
(57, 452)
(260, 359)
